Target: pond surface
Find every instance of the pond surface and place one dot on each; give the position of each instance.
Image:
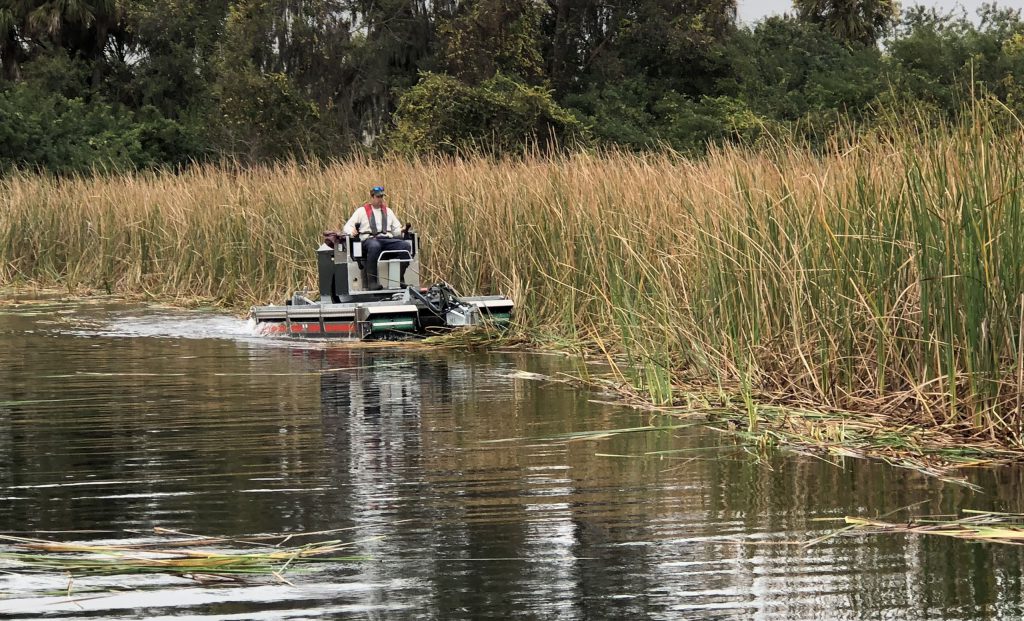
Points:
(120, 419)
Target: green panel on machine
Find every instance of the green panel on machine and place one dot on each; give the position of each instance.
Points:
(392, 323)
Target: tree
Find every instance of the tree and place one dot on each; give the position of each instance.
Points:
(673, 44)
(860, 22)
(348, 58)
(944, 61)
(82, 27)
(172, 54)
(501, 115)
(790, 70)
(486, 37)
(262, 111)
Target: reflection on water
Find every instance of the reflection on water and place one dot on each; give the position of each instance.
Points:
(122, 419)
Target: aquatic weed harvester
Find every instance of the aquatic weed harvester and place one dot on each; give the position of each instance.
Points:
(348, 308)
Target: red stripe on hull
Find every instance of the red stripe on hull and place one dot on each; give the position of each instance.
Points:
(339, 327)
(307, 328)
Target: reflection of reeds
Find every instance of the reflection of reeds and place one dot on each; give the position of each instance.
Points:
(887, 277)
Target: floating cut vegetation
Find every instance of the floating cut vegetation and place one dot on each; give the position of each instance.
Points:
(932, 451)
(883, 277)
(189, 556)
(974, 526)
(603, 434)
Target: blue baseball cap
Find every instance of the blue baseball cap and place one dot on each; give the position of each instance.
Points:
(377, 190)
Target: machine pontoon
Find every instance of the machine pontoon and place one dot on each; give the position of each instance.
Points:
(347, 308)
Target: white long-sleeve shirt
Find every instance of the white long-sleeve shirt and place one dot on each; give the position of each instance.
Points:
(359, 217)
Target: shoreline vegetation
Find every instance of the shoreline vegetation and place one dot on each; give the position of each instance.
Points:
(873, 289)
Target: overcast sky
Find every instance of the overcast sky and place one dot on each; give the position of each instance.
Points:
(751, 11)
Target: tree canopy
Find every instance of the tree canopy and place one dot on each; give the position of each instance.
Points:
(99, 84)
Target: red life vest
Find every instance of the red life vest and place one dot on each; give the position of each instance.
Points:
(383, 216)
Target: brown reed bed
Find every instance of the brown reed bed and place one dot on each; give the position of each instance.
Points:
(884, 277)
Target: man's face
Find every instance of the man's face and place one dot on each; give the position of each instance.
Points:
(376, 199)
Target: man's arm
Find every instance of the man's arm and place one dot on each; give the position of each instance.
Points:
(394, 225)
(350, 226)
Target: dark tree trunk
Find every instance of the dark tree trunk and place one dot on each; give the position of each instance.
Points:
(9, 60)
(560, 49)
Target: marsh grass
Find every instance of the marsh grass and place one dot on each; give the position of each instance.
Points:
(884, 276)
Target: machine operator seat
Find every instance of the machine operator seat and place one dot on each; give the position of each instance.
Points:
(342, 267)
(388, 263)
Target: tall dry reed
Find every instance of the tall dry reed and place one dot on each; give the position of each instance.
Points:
(886, 275)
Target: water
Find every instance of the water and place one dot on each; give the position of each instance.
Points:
(119, 419)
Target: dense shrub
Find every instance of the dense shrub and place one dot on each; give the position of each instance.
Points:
(500, 115)
(48, 131)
